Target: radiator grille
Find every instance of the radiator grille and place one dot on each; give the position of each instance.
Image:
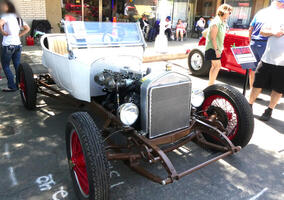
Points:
(169, 108)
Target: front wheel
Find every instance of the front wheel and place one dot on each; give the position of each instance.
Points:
(197, 64)
(27, 85)
(232, 110)
(87, 158)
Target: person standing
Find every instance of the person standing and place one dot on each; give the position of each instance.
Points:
(270, 71)
(257, 41)
(10, 28)
(215, 40)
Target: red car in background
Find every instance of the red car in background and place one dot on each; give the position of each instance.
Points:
(200, 67)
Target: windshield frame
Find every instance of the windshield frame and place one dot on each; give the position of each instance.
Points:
(71, 36)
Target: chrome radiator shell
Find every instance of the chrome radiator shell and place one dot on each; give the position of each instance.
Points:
(165, 103)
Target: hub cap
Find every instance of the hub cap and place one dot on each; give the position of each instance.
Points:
(78, 164)
(196, 61)
(223, 103)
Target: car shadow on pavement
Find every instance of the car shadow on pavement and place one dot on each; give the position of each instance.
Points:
(257, 168)
(238, 177)
(273, 123)
(263, 102)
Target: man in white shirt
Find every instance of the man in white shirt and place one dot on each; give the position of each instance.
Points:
(270, 71)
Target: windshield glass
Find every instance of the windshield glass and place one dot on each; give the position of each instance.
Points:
(95, 34)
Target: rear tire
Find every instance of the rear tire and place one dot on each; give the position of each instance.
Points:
(28, 88)
(239, 117)
(197, 64)
(87, 158)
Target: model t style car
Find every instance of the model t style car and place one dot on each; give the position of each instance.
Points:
(133, 114)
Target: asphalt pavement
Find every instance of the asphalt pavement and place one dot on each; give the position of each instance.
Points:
(33, 164)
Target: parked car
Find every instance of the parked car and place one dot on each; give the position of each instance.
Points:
(200, 67)
(129, 113)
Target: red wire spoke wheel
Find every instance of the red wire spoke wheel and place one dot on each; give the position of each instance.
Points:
(27, 86)
(86, 155)
(79, 164)
(229, 110)
(232, 110)
(23, 86)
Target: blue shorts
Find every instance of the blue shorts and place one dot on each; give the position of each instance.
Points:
(258, 47)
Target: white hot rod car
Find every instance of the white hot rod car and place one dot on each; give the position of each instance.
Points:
(129, 113)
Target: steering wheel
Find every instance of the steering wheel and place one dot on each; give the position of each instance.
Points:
(111, 36)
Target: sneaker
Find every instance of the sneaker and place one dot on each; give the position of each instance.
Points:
(266, 115)
(9, 90)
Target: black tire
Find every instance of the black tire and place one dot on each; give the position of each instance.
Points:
(232, 98)
(93, 151)
(205, 66)
(28, 88)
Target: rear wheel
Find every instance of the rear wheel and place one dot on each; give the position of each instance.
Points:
(232, 110)
(197, 63)
(27, 85)
(87, 158)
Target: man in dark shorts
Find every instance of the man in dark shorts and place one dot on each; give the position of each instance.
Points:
(257, 41)
(270, 71)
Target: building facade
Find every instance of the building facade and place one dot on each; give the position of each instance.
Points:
(40, 10)
(187, 10)
(243, 10)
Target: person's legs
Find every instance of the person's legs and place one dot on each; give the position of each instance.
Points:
(215, 68)
(262, 80)
(168, 33)
(7, 53)
(254, 94)
(277, 86)
(177, 34)
(251, 78)
(16, 61)
(181, 35)
(275, 97)
(258, 48)
(252, 72)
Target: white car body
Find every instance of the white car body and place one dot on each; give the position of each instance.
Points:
(73, 68)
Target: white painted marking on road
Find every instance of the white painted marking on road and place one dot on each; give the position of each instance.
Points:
(13, 176)
(110, 165)
(45, 182)
(117, 184)
(259, 194)
(6, 151)
(114, 172)
(61, 193)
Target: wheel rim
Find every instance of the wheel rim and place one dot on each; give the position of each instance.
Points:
(22, 86)
(226, 105)
(196, 61)
(79, 164)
